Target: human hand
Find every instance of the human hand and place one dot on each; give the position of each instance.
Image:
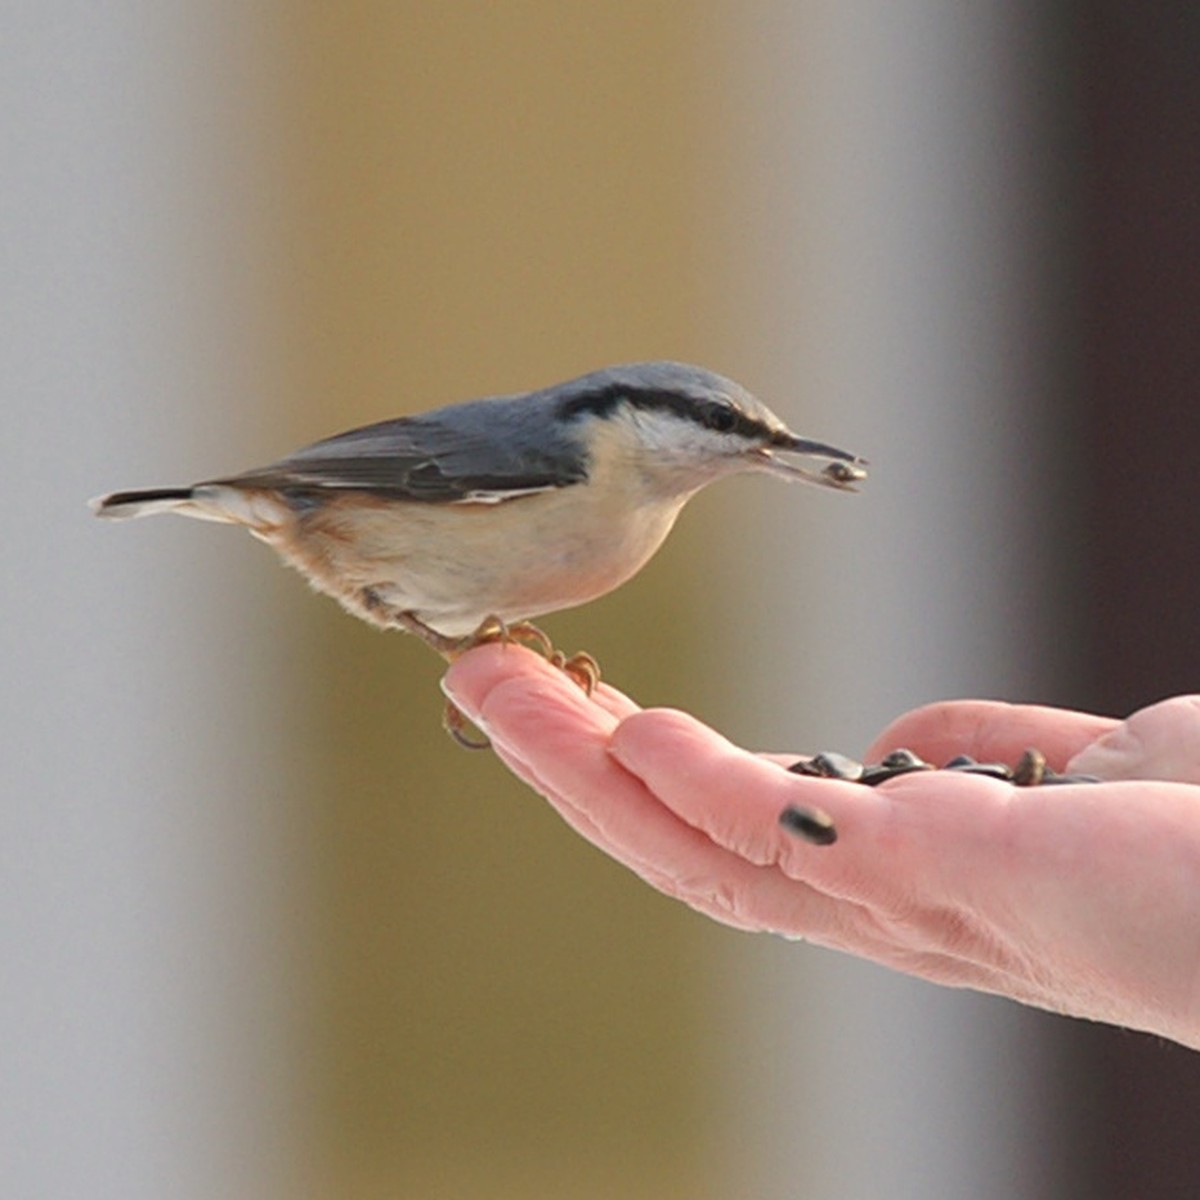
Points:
(1083, 899)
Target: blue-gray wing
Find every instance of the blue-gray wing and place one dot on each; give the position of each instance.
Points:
(483, 450)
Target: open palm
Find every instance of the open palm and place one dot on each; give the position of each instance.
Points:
(1083, 899)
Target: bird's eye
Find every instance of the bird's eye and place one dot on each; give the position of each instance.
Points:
(720, 418)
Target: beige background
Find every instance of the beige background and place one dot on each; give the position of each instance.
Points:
(266, 931)
(483, 199)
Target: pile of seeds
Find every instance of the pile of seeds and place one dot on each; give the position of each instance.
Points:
(816, 827)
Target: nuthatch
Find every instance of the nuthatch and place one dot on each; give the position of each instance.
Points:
(461, 524)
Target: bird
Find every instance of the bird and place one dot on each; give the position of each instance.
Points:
(465, 523)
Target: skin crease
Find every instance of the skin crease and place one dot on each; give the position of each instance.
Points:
(1082, 899)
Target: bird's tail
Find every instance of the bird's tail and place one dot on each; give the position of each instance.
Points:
(259, 509)
(143, 503)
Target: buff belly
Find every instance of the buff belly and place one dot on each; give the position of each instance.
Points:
(454, 565)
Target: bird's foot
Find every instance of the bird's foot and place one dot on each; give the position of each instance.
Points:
(453, 720)
(456, 725)
(581, 667)
(523, 633)
(448, 647)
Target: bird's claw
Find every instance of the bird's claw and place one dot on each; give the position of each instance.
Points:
(455, 723)
(581, 667)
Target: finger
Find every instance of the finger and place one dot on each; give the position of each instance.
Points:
(918, 841)
(911, 881)
(679, 862)
(1159, 742)
(550, 733)
(991, 731)
(615, 703)
(736, 798)
(635, 857)
(507, 689)
(551, 736)
(479, 669)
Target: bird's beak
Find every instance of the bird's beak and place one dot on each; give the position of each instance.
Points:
(815, 462)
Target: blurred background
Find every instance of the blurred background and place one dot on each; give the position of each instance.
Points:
(266, 932)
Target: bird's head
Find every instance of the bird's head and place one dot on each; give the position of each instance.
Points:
(681, 427)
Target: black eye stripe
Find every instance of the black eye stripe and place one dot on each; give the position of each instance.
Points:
(711, 414)
(721, 418)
